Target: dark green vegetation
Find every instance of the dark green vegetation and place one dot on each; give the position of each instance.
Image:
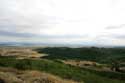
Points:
(114, 57)
(65, 71)
(102, 55)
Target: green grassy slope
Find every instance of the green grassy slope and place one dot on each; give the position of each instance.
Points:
(62, 70)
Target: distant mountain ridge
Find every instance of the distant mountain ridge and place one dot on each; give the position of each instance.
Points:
(52, 44)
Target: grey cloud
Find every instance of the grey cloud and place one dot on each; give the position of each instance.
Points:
(119, 36)
(106, 37)
(44, 36)
(116, 27)
(14, 34)
(16, 16)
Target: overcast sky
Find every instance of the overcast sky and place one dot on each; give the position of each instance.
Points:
(86, 22)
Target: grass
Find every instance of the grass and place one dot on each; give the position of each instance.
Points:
(11, 75)
(62, 70)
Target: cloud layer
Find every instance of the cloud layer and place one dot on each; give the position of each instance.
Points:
(87, 22)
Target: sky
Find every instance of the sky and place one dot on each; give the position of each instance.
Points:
(83, 22)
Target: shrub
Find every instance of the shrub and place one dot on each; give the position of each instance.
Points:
(23, 64)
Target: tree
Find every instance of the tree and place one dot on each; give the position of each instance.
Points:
(115, 66)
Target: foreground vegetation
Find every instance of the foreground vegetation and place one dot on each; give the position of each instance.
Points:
(12, 75)
(64, 71)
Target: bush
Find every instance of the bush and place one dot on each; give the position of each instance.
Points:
(24, 64)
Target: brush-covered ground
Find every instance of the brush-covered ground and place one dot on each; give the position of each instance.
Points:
(11, 75)
(75, 65)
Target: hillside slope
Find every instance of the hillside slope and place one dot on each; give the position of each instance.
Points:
(10, 75)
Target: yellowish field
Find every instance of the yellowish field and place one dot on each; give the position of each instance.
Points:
(10, 75)
(87, 64)
(20, 52)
